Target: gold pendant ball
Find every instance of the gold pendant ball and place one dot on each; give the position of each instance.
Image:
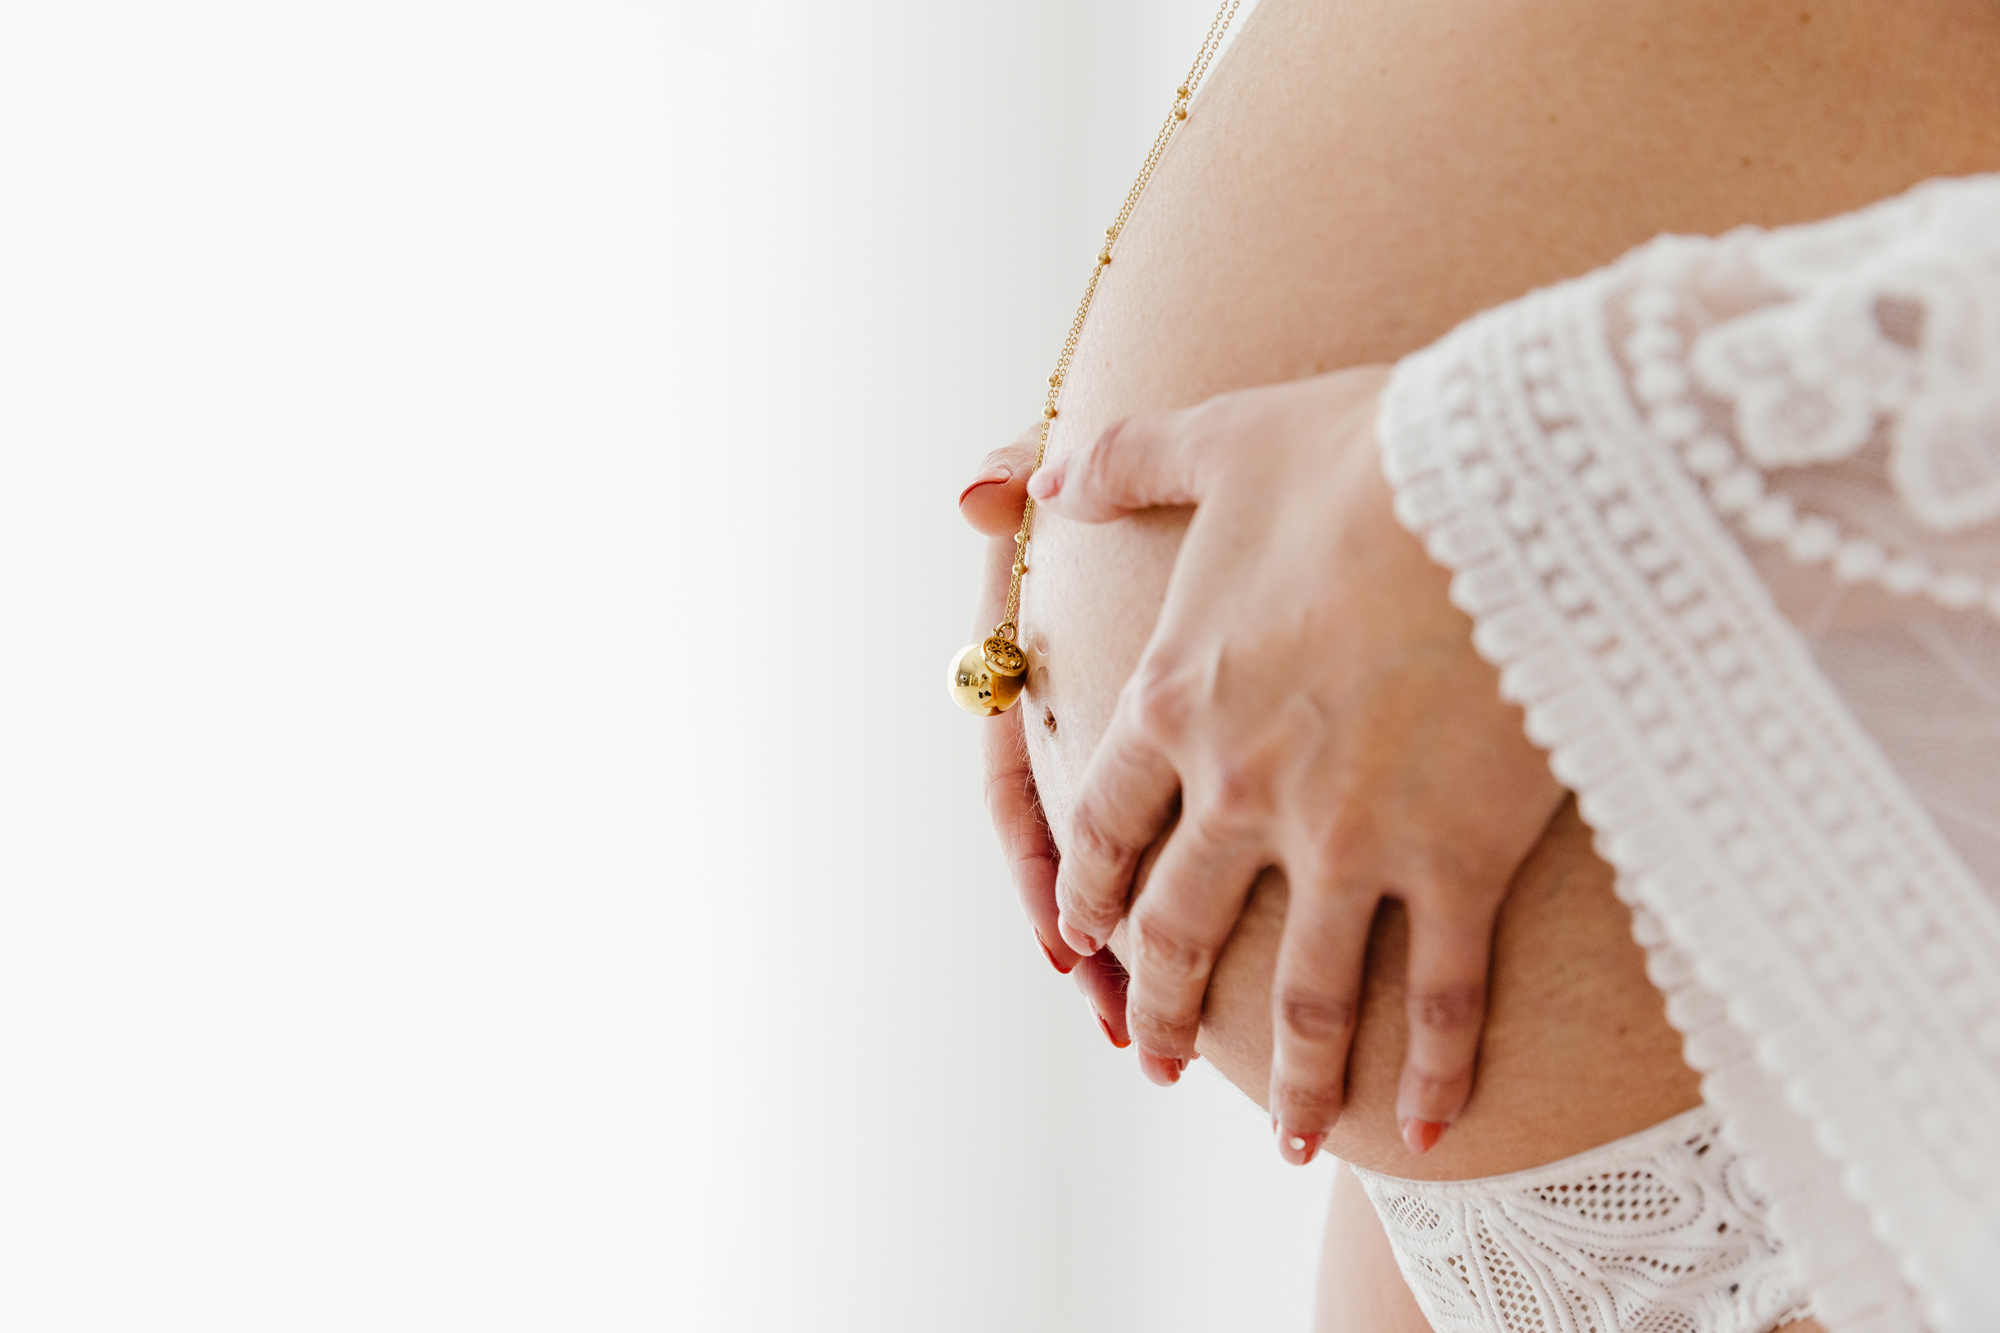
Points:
(978, 688)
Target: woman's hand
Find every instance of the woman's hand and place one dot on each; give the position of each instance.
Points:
(1310, 699)
(993, 504)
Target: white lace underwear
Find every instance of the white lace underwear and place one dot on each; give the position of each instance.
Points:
(1656, 1233)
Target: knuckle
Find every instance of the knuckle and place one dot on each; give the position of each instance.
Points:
(1219, 824)
(1342, 840)
(1107, 439)
(1453, 1008)
(1161, 1029)
(1093, 465)
(1024, 837)
(1165, 953)
(1006, 783)
(1324, 846)
(1092, 845)
(1450, 879)
(1163, 698)
(1304, 1103)
(1313, 1017)
(1243, 787)
(998, 788)
(1443, 870)
(1214, 412)
(1007, 456)
(1431, 1089)
(1092, 918)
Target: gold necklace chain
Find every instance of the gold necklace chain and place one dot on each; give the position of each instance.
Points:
(988, 678)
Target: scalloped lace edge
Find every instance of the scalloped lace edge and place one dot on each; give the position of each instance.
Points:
(1817, 941)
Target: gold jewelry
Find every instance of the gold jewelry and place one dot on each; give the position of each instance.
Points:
(988, 677)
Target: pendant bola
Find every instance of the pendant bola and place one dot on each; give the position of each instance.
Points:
(987, 678)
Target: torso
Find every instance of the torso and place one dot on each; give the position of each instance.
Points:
(1357, 178)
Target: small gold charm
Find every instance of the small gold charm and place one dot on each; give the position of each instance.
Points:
(1004, 657)
(978, 688)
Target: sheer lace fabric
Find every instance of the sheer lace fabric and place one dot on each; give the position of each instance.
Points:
(1657, 1233)
(1727, 514)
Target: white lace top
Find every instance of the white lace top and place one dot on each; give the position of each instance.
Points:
(1727, 514)
(1657, 1233)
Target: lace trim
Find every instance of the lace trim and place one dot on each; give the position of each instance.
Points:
(1822, 949)
(1659, 1232)
(1873, 338)
(1892, 325)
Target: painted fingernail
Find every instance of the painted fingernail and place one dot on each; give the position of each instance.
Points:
(1111, 1036)
(1162, 1069)
(1421, 1135)
(1047, 482)
(1050, 954)
(990, 477)
(1298, 1149)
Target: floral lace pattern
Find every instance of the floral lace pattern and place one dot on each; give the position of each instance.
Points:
(1874, 330)
(1866, 334)
(1657, 1233)
(1597, 463)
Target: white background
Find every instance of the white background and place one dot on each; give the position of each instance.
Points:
(483, 843)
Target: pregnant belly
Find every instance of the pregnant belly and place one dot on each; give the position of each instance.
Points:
(1355, 179)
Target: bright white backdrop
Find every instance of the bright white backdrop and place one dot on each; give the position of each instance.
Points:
(482, 842)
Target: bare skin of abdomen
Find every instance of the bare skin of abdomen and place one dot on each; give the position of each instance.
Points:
(1356, 178)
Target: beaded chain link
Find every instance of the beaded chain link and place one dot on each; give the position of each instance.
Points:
(1175, 118)
(988, 678)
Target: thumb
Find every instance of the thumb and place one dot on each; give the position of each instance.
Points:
(993, 502)
(1139, 463)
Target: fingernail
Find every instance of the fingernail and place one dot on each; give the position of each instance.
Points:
(1298, 1149)
(1111, 1036)
(1046, 482)
(1421, 1136)
(1076, 939)
(1050, 954)
(991, 477)
(1162, 1069)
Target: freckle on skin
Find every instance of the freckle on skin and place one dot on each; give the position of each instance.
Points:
(1049, 720)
